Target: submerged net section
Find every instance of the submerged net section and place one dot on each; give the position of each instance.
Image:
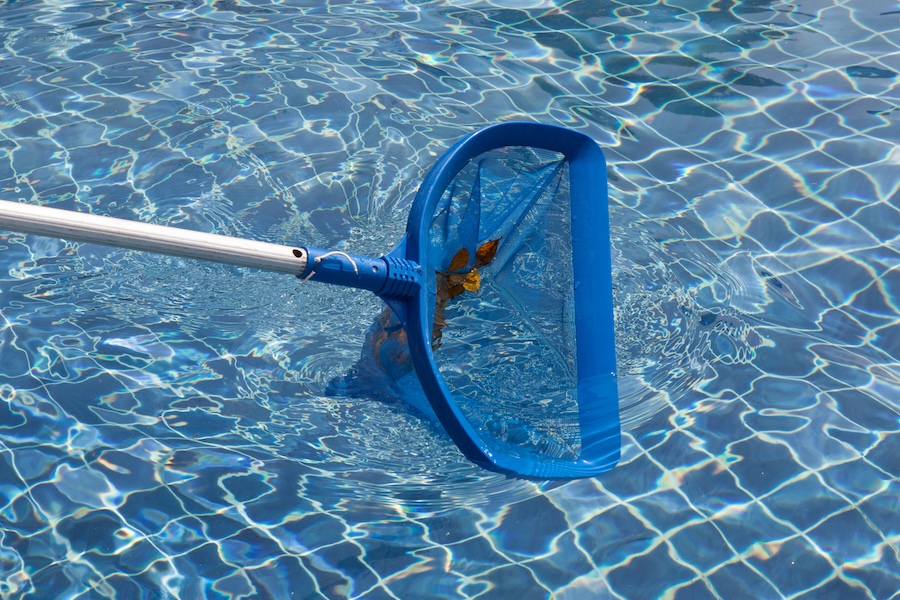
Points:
(504, 325)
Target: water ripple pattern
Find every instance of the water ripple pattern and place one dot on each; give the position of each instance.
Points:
(165, 430)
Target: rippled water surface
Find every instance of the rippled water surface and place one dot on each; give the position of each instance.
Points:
(165, 430)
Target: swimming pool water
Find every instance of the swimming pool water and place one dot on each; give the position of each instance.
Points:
(164, 427)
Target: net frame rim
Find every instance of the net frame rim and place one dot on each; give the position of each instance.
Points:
(595, 334)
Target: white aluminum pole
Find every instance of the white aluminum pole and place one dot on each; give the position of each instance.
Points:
(84, 227)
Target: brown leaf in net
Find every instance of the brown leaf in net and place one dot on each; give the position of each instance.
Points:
(485, 254)
(442, 285)
(449, 284)
(460, 260)
(456, 284)
(472, 282)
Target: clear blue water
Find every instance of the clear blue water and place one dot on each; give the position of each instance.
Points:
(164, 427)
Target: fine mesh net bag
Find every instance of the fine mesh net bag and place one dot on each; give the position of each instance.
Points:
(504, 334)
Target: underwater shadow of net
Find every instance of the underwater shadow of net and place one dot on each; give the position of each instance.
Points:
(503, 308)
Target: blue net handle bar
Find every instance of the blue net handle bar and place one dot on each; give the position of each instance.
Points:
(597, 386)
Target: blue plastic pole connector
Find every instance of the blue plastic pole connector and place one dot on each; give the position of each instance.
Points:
(391, 276)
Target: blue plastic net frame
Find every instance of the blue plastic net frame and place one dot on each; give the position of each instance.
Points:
(597, 389)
